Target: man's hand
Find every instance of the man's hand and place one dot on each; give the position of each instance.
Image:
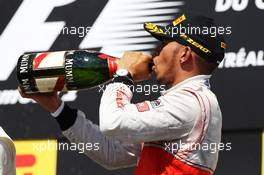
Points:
(137, 64)
(49, 101)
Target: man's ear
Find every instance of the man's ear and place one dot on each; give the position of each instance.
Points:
(185, 54)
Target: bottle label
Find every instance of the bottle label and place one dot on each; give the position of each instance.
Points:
(47, 72)
(64, 70)
(23, 64)
(47, 60)
(69, 61)
(24, 73)
(50, 84)
(41, 72)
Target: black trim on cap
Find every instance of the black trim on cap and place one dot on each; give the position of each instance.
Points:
(67, 117)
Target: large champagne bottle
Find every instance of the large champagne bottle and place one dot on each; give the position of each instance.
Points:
(64, 70)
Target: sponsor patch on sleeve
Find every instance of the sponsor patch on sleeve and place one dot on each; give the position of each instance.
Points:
(156, 103)
(142, 107)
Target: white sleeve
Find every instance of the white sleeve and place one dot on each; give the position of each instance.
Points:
(109, 152)
(166, 118)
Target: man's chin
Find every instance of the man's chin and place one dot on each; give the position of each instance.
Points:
(159, 77)
(161, 80)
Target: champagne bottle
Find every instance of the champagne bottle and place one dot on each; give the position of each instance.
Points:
(64, 70)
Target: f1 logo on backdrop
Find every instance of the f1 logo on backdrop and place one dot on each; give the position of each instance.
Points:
(28, 31)
(236, 5)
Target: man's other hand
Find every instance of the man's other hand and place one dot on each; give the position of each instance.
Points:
(49, 101)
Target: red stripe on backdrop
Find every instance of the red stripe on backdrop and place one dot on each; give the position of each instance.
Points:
(38, 59)
(26, 160)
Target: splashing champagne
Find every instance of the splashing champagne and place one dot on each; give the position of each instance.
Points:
(64, 70)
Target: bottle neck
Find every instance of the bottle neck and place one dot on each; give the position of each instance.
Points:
(112, 65)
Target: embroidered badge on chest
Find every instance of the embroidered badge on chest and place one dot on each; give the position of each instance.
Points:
(142, 107)
(156, 103)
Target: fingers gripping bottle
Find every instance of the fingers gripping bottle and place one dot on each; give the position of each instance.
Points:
(64, 70)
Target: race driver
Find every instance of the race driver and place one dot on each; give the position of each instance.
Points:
(160, 137)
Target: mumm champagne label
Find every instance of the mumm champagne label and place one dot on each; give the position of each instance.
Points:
(69, 61)
(48, 68)
(69, 70)
(64, 70)
(41, 72)
(23, 70)
(24, 64)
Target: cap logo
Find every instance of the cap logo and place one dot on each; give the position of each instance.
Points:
(153, 28)
(179, 20)
(194, 43)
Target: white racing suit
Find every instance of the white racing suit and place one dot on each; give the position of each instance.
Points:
(166, 136)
